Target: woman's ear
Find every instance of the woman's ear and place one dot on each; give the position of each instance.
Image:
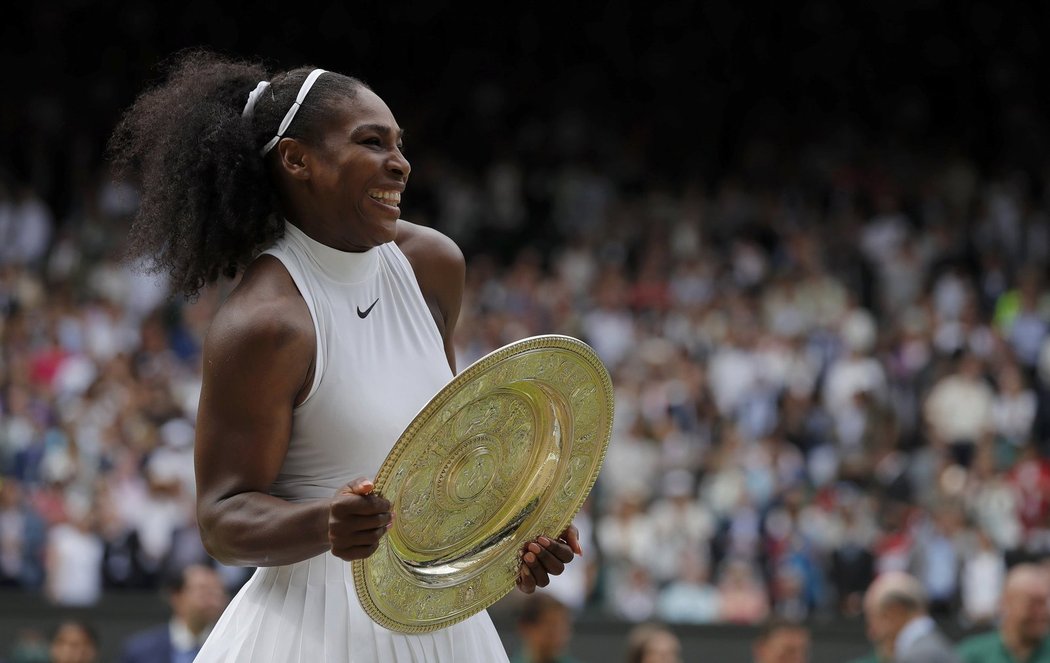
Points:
(293, 158)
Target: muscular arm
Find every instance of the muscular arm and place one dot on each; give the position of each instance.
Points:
(257, 362)
(256, 358)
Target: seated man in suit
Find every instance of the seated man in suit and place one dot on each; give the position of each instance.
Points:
(1023, 635)
(545, 626)
(895, 610)
(197, 597)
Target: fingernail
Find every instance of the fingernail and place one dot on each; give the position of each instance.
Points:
(530, 558)
(535, 548)
(364, 487)
(545, 541)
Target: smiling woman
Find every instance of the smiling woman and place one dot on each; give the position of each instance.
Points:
(338, 332)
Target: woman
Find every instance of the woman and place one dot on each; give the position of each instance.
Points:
(653, 643)
(74, 641)
(338, 332)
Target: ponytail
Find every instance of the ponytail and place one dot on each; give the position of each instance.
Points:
(208, 206)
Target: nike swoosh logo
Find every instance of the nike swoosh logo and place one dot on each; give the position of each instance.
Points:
(364, 314)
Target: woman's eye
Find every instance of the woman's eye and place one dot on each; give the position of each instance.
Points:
(373, 141)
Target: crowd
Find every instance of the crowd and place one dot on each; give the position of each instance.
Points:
(818, 378)
(841, 374)
(897, 618)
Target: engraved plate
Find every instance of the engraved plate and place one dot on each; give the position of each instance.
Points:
(507, 451)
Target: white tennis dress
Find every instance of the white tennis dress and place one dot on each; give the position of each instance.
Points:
(380, 359)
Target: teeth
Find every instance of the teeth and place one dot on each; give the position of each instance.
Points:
(389, 197)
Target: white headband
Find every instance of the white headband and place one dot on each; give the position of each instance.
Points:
(249, 107)
(253, 97)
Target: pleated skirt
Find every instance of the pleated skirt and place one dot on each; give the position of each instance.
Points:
(308, 612)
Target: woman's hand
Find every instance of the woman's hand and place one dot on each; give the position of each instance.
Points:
(357, 520)
(545, 557)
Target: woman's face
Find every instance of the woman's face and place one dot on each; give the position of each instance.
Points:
(662, 648)
(72, 645)
(357, 176)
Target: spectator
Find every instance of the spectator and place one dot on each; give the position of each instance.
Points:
(982, 578)
(26, 226)
(958, 410)
(22, 535)
(781, 641)
(895, 610)
(30, 646)
(690, 598)
(680, 522)
(653, 643)
(74, 642)
(1022, 315)
(1013, 411)
(852, 565)
(74, 560)
(634, 596)
(854, 373)
(197, 598)
(545, 627)
(743, 597)
(937, 556)
(1024, 628)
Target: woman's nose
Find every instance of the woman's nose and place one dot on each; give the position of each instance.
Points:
(399, 165)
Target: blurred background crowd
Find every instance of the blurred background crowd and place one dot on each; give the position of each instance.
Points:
(822, 291)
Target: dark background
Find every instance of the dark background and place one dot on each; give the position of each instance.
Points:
(692, 88)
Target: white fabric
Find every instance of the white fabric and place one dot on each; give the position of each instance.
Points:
(253, 98)
(77, 557)
(290, 115)
(26, 228)
(372, 376)
(912, 632)
(983, 577)
(182, 639)
(960, 408)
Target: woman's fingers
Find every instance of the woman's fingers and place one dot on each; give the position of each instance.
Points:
(571, 536)
(350, 553)
(562, 550)
(343, 528)
(357, 520)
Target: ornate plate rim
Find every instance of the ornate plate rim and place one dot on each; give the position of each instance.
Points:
(543, 341)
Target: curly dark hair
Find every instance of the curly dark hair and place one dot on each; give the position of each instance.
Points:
(208, 201)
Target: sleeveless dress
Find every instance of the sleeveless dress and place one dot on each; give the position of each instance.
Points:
(380, 359)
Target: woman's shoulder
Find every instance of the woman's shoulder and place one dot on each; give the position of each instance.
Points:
(437, 261)
(427, 246)
(265, 309)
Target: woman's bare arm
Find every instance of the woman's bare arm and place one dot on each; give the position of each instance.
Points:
(258, 358)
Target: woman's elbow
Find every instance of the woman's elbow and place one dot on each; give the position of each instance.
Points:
(209, 522)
